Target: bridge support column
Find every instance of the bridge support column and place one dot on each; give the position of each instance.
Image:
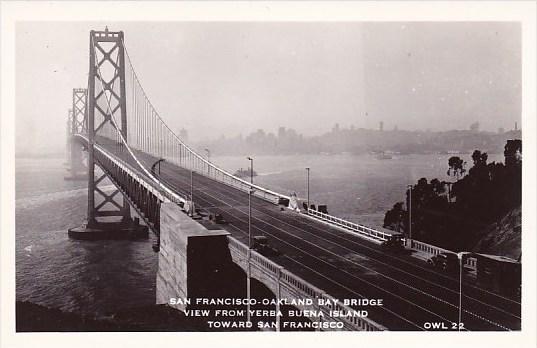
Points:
(109, 219)
(193, 257)
(76, 125)
(96, 105)
(278, 298)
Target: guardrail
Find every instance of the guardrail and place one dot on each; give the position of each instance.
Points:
(302, 289)
(180, 154)
(470, 262)
(432, 250)
(427, 248)
(350, 226)
(163, 192)
(213, 172)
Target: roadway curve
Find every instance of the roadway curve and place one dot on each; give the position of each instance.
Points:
(347, 266)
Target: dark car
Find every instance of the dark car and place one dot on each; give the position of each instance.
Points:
(445, 261)
(394, 243)
(261, 245)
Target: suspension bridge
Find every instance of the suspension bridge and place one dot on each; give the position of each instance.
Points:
(204, 217)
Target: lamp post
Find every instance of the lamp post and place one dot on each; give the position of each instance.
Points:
(249, 236)
(153, 170)
(208, 161)
(410, 214)
(191, 192)
(460, 256)
(308, 187)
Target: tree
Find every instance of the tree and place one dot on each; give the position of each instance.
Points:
(513, 152)
(485, 193)
(456, 167)
(479, 158)
(395, 218)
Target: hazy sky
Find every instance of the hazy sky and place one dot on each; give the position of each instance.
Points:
(230, 78)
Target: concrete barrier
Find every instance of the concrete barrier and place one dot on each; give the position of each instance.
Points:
(285, 284)
(177, 231)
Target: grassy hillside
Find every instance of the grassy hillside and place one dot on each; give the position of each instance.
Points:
(503, 237)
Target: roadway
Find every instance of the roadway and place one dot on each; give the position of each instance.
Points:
(347, 266)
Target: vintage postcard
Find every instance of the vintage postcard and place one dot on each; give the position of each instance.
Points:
(259, 173)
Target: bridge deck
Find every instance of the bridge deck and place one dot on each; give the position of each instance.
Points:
(347, 266)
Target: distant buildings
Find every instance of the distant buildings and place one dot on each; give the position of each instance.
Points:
(362, 141)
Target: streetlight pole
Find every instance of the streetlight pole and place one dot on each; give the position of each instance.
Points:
(460, 256)
(208, 160)
(410, 214)
(153, 171)
(308, 187)
(250, 202)
(191, 191)
(249, 236)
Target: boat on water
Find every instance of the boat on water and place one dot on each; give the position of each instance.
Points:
(244, 173)
(384, 156)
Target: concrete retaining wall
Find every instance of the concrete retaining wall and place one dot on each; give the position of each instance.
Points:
(177, 231)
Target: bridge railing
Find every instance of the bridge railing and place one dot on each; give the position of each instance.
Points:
(426, 248)
(163, 192)
(302, 289)
(369, 232)
(202, 166)
(470, 262)
(350, 226)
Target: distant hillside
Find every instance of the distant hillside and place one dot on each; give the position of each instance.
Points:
(360, 141)
(503, 237)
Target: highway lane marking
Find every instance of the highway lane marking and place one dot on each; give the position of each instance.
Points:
(334, 281)
(331, 280)
(391, 266)
(372, 270)
(315, 257)
(418, 266)
(390, 278)
(379, 261)
(364, 267)
(350, 274)
(338, 256)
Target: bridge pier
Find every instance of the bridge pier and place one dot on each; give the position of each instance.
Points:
(195, 262)
(76, 170)
(109, 231)
(107, 219)
(190, 257)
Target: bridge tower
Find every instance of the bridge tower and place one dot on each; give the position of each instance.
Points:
(104, 71)
(68, 137)
(76, 124)
(106, 114)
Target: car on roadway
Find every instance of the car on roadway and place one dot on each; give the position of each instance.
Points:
(261, 245)
(447, 262)
(394, 243)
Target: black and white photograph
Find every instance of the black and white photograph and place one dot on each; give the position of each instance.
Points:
(224, 172)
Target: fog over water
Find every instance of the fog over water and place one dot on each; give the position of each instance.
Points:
(218, 78)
